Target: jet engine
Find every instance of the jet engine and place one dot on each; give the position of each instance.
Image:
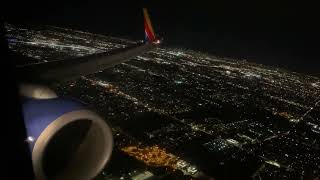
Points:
(66, 139)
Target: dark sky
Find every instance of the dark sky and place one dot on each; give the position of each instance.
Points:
(279, 34)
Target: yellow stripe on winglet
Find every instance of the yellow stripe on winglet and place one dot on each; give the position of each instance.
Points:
(146, 16)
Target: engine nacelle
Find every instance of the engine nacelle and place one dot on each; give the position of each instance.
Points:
(67, 141)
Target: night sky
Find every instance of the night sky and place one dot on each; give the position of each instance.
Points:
(278, 34)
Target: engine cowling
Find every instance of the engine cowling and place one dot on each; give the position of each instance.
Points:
(66, 139)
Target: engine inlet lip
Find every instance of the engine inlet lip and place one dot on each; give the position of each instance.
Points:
(58, 124)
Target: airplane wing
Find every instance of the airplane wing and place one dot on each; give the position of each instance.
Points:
(63, 133)
(70, 69)
(63, 70)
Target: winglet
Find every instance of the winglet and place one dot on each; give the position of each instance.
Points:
(150, 36)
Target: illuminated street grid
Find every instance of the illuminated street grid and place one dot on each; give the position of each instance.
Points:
(211, 115)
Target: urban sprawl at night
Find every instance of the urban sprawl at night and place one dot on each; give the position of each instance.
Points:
(178, 113)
